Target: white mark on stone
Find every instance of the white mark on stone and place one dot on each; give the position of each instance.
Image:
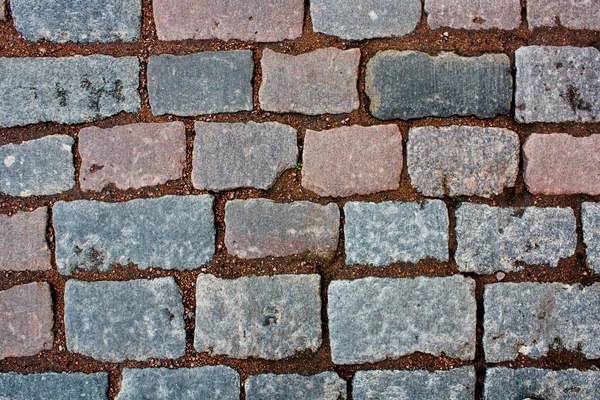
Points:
(9, 160)
(66, 147)
(373, 15)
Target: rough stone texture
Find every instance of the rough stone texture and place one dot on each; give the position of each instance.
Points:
(557, 84)
(323, 81)
(205, 83)
(234, 155)
(210, 382)
(252, 20)
(531, 318)
(558, 163)
(170, 232)
(492, 239)
(323, 386)
(383, 233)
(271, 317)
(365, 19)
(23, 241)
(67, 90)
(131, 156)
(455, 384)
(26, 320)
(127, 320)
(516, 384)
(352, 160)
(570, 14)
(2, 10)
(590, 221)
(37, 167)
(55, 386)
(473, 14)
(373, 319)
(259, 228)
(410, 84)
(82, 21)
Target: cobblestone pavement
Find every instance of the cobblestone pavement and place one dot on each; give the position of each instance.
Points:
(287, 199)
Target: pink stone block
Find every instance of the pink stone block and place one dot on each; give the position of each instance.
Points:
(473, 14)
(23, 245)
(580, 14)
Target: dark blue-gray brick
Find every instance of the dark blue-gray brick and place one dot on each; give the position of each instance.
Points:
(323, 386)
(55, 386)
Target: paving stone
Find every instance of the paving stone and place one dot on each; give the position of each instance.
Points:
(590, 221)
(83, 21)
(68, 90)
(352, 160)
(170, 232)
(492, 239)
(51, 385)
(2, 10)
(252, 20)
(557, 84)
(383, 233)
(210, 382)
(23, 241)
(323, 386)
(531, 318)
(131, 156)
(270, 317)
(455, 384)
(234, 155)
(365, 19)
(258, 228)
(517, 384)
(205, 83)
(373, 319)
(558, 163)
(129, 320)
(37, 167)
(462, 160)
(570, 14)
(410, 84)
(473, 14)
(26, 320)
(323, 81)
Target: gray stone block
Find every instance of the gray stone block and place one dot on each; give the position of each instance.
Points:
(127, 320)
(410, 84)
(2, 10)
(492, 239)
(205, 83)
(383, 233)
(323, 386)
(69, 90)
(473, 14)
(373, 319)
(568, 14)
(271, 317)
(55, 386)
(170, 232)
(530, 318)
(590, 221)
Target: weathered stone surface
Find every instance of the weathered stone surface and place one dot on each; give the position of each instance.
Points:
(37, 167)
(365, 19)
(271, 317)
(253, 20)
(557, 84)
(512, 384)
(410, 84)
(323, 81)
(373, 319)
(570, 14)
(323, 386)
(170, 232)
(530, 318)
(473, 14)
(352, 160)
(492, 239)
(462, 160)
(383, 233)
(210, 382)
(590, 221)
(456, 384)
(67, 90)
(26, 320)
(204, 83)
(259, 228)
(131, 156)
(2, 10)
(234, 155)
(128, 320)
(23, 241)
(51, 385)
(82, 21)
(561, 164)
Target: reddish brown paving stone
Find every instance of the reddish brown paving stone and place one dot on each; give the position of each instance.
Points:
(23, 241)
(570, 14)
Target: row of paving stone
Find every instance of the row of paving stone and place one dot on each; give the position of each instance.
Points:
(553, 84)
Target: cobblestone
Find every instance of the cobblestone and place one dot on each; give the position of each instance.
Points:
(23, 241)
(323, 386)
(590, 221)
(56, 386)
(473, 14)
(571, 15)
